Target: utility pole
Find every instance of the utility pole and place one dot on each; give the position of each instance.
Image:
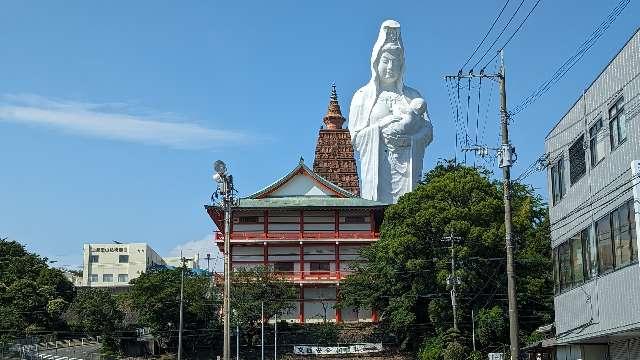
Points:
(208, 259)
(453, 279)
(227, 191)
(473, 329)
(275, 337)
(506, 162)
(507, 157)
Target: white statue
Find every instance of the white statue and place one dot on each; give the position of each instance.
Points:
(389, 123)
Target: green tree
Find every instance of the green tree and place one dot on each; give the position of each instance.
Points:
(33, 295)
(406, 272)
(155, 297)
(250, 288)
(96, 312)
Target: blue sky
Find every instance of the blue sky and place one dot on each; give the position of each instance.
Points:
(112, 113)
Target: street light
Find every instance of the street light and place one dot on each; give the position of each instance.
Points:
(226, 196)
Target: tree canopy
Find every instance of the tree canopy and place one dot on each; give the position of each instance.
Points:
(33, 296)
(406, 276)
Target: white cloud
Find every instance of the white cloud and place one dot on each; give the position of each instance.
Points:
(203, 247)
(117, 121)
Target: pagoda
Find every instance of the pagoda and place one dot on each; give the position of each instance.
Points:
(334, 159)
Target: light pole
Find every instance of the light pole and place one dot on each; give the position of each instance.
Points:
(227, 193)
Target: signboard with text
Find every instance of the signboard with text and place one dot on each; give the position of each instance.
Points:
(334, 350)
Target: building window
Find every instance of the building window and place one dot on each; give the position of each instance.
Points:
(319, 266)
(93, 278)
(248, 219)
(623, 238)
(93, 258)
(605, 250)
(577, 260)
(632, 229)
(123, 278)
(354, 219)
(107, 277)
(283, 267)
(577, 164)
(596, 143)
(617, 124)
(557, 181)
(123, 259)
(590, 253)
(564, 262)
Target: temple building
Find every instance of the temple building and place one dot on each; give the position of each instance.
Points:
(309, 226)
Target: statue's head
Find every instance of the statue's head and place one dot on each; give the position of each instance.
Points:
(390, 63)
(387, 58)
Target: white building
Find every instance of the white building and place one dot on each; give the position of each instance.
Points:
(193, 262)
(113, 265)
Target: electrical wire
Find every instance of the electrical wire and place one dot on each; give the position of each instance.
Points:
(499, 35)
(512, 35)
(570, 62)
(485, 35)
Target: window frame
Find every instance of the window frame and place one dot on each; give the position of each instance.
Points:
(120, 259)
(93, 276)
(616, 111)
(557, 188)
(594, 140)
(312, 263)
(104, 277)
(92, 257)
(120, 277)
(275, 264)
(580, 143)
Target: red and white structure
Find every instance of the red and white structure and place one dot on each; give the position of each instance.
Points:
(307, 228)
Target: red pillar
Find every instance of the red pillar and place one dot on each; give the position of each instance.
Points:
(301, 311)
(265, 220)
(372, 221)
(265, 254)
(374, 316)
(336, 225)
(301, 249)
(301, 224)
(337, 259)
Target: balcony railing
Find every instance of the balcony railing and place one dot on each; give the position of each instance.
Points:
(314, 275)
(236, 235)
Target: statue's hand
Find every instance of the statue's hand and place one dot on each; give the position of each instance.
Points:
(389, 120)
(391, 130)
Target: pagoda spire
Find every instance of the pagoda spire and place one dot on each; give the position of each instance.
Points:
(333, 120)
(334, 159)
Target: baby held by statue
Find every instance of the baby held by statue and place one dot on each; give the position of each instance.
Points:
(404, 122)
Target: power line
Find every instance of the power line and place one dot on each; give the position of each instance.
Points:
(570, 62)
(499, 35)
(512, 35)
(485, 35)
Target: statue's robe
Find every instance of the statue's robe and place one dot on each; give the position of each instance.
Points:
(376, 158)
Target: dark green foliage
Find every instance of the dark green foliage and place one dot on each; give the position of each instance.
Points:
(252, 287)
(410, 263)
(155, 297)
(96, 312)
(33, 296)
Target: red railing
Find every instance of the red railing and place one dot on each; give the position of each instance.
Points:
(314, 275)
(236, 235)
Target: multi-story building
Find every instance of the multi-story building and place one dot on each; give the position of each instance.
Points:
(593, 215)
(114, 265)
(307, 228)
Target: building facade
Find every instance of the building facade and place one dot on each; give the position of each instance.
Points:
(593, 215)
(309, 226)
(114, 265)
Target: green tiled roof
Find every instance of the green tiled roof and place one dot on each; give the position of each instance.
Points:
(308, 201)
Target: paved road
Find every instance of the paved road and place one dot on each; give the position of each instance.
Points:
(87, 352)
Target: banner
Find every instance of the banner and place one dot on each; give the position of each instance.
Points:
(334, 350)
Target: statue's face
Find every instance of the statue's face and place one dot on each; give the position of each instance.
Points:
(389, 66)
